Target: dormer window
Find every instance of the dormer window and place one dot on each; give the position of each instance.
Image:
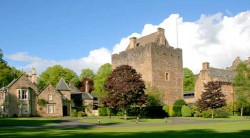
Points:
(23, 94)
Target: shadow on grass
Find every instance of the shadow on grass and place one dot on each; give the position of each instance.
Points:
(82, 133)
(27, 122)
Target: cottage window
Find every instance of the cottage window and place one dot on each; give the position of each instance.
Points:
(23, 94)
(50, 97)
(167, 76)
(51, 109)
(1, 108)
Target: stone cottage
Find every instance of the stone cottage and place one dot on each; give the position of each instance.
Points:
(159, 63)
(214, 74)
(19, 98)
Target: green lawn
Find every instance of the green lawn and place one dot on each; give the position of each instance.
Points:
(234, 129)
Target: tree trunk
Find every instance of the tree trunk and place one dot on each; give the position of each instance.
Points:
(125, 114)
(241, 111)
(213, 113)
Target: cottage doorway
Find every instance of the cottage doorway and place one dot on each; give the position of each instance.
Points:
(65, 111)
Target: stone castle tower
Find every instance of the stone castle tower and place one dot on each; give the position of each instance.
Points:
(158, 62)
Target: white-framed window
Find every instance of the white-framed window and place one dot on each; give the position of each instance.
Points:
(51, 109)
(1, 108)
(23, 94)
(50, 97)
(25, 109)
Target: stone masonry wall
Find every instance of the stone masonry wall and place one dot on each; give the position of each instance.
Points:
(153, 61)
(13, 103)
(56, 101)
(168, 60)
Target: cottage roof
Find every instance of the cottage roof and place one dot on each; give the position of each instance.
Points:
(221, 74)
(62, 85)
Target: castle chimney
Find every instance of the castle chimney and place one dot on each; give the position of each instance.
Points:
(205, 66)
(33, 76)
(161, 37)
(161, 31)
(132, 43)
(87, 86)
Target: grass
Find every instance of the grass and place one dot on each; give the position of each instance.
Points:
(235, 128)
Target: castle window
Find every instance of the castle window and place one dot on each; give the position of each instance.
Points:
(23, 94)
(167, 76)
(50, 97)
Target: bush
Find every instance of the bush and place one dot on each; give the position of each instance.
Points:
(80, 114)
(207, 113)
(186, 111)
(177, 106)
(73, 113)
(103, 111)
(166, 109)
(171, 111)
(219, 113)
(197, 114)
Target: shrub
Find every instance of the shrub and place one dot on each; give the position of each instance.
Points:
(219, 113)
(171, 111)
(166, 109)
(186, 111)
(80, 114)
(197, 114)
(207, 113)
(177, 106)
(73, 113)
(41, 102)
(103, 111)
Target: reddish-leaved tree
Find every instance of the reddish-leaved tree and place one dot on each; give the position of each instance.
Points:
(125, 88)
(212, 97)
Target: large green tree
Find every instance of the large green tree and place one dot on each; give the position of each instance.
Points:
(154, 96)
(212, 97)
(241, 85)
(188, 80)
(125, 88)
(87, 73)
(7, 73)
(53, 74)
(100, 79)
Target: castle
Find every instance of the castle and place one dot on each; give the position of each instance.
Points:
(159, 63)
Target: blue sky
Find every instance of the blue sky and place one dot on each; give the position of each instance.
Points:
(59, 31)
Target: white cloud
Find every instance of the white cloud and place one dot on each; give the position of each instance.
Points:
(93, 61)
(217, 38)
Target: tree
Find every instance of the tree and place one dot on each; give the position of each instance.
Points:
(7, 73)
(177, 106)
(188, 80)
(82, 85)
(241, 85)
(100, 79)
(154, 96)
(125, 88)
(87, 73)
(212, 97)
(1, 55)
(53, 74)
